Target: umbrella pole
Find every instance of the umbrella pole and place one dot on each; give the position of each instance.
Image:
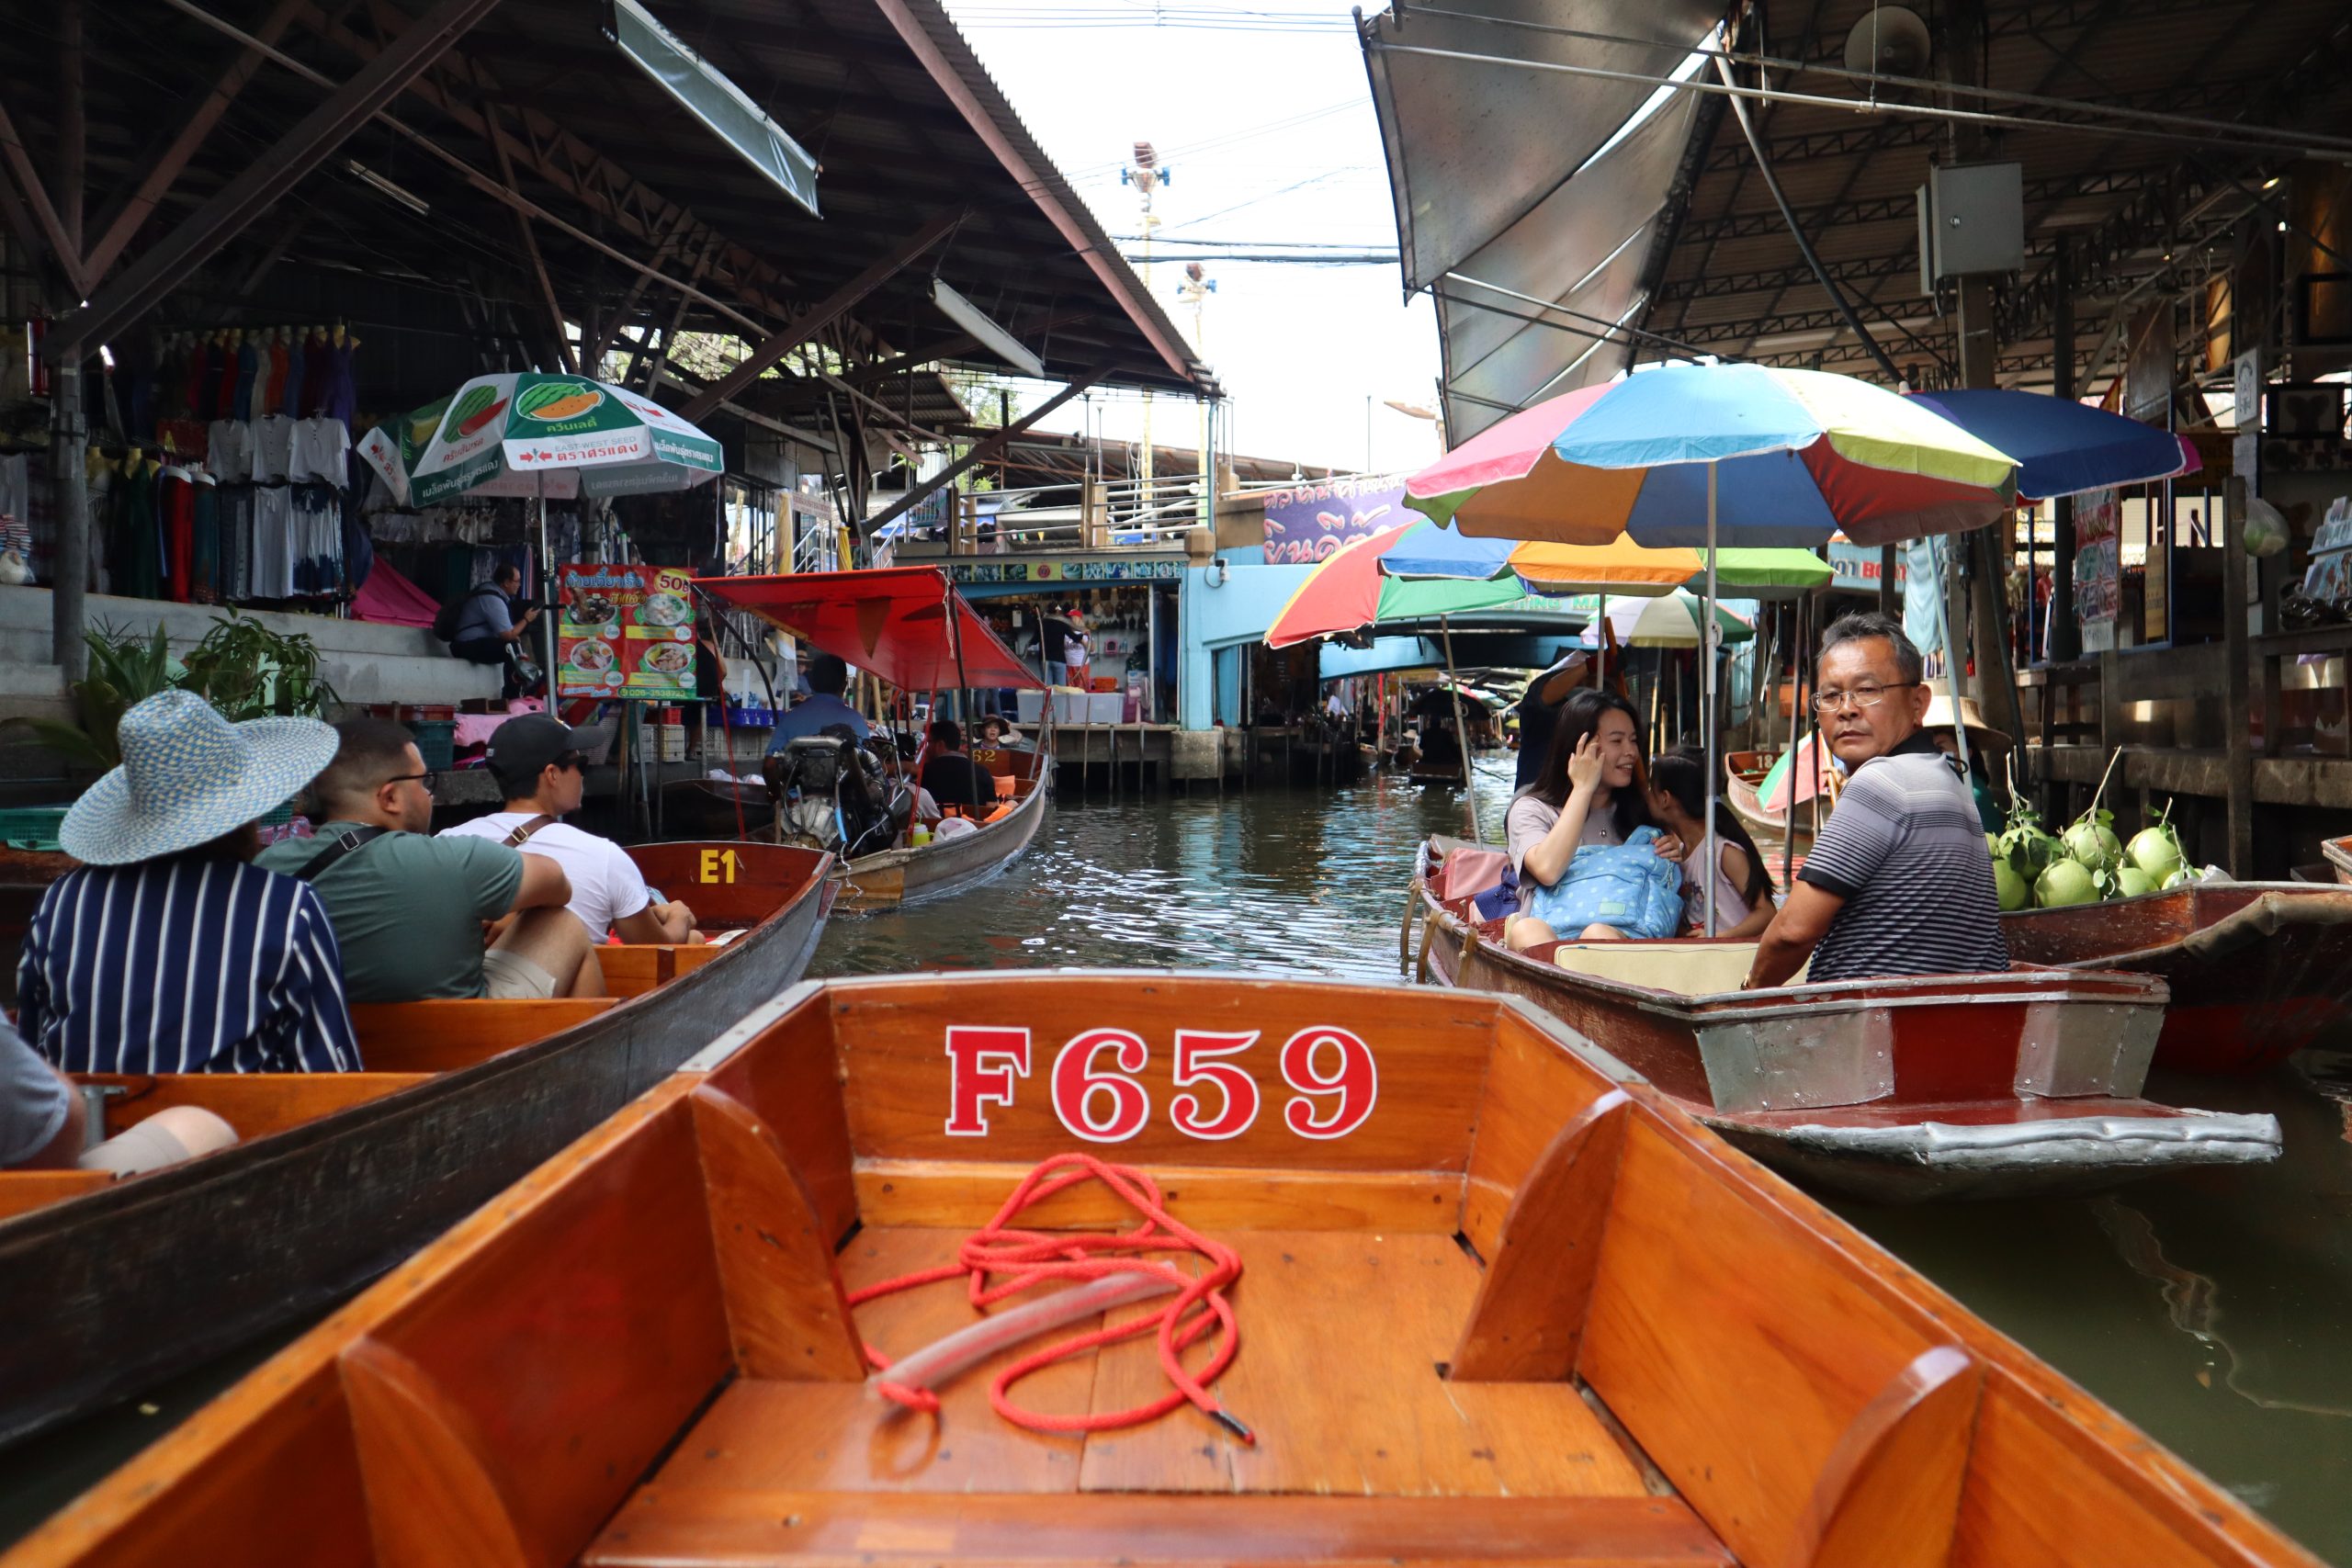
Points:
(1601, 669)
(1796, 707)
(1709, 636)
(547, 598)
(1951, 655)
(1461, 734)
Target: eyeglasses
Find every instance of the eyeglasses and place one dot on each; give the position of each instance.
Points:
(1862, 696)
(428, 778)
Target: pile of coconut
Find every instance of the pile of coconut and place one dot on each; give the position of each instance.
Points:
(2035, 868)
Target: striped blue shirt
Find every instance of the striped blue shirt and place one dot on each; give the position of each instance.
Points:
(184, 965)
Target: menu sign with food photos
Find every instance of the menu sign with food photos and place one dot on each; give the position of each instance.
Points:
(625, 631)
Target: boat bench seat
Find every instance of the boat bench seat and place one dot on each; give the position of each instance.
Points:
(445, 1034)
(632, 968)
(256, 1104)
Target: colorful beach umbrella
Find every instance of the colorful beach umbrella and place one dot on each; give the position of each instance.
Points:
(1348, 591)
(1788, 457)
(2063, 447)
(1670, 622)
(521, 432)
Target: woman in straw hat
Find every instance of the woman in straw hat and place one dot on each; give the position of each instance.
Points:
(167, 951)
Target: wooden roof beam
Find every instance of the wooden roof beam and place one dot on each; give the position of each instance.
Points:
(820, 315)
(302, 148)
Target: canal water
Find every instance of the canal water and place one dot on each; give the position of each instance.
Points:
(2212, 1309)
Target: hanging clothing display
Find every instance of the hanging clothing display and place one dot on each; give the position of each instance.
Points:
(204, 575)
(273, 394)
(176, 488)
(229, 450)
(220, 360)
(320, 446)
(273, 447)
(138, 542)
(271, 574)
(241, 399)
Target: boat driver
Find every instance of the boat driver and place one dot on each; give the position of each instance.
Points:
(1899, 881)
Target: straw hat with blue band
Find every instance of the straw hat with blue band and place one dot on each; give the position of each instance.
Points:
(189, 776)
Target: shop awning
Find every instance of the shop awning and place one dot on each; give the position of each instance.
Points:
(892, 621)
(1534, 247)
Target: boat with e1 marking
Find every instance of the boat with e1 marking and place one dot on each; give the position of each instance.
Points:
(2258, 970)
(1951, 1085)
(1490, 1302)
(113, 1285)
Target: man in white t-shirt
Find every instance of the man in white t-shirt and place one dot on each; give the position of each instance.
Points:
(541, 766)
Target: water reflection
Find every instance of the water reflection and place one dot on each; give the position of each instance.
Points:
(2209, 1307)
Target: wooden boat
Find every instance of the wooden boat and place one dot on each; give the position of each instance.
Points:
(706, 808)
(893, 878)
(2258, 970)
(1743, 773)
(25, 875)
(1496, 1306)
(2338, 854)
(114, 1285)
(1958, 1086)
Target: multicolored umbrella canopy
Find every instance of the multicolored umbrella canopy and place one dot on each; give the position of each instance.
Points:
(1747, 574)
(1671, 622)
(1795, 456)
(1349, 592)
(2063, 447)
(521, 432)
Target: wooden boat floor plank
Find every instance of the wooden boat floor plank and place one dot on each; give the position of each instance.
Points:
(671, 1526)
(1341, 1335)
(764, 1436)
(969, 1193)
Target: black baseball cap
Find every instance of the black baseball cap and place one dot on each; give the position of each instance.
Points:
(521, 746)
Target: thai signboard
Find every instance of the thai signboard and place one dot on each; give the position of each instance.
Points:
(1054, 570)
(2098, 567)
(625, 631)
(1308, 523)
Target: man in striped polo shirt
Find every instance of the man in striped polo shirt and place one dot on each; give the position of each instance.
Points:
(1899, 881)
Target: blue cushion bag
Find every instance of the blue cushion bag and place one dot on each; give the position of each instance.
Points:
(1627, 886)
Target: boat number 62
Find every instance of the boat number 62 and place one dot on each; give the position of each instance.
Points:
(1096, 1096)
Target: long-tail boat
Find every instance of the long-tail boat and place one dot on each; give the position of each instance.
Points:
(2258, 970)
(908, 626)
(1489, 1304)
(889, 878)
(1743, 776)
(1955, 1085)
(112, 1285)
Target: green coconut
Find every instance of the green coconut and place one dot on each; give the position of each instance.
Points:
(2154, 851)
(2015, 891)
(2063, 883)
(2092, 844)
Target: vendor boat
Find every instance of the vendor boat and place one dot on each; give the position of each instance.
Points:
(113, 1285)
(909, 625)
(2258, 970)
(1743, 776)
(25, 875)
(2338, 856)
(956, 860)
(1904, 1089)
(1489, 1304)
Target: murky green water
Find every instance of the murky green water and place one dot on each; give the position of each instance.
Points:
(2214, 1309)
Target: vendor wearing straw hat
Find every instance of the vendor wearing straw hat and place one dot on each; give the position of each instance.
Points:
(168, 950)
(1986, 745)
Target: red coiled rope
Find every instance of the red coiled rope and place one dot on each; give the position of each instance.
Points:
(1027, 1257)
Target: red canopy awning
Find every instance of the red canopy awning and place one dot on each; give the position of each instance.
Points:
(892, 620)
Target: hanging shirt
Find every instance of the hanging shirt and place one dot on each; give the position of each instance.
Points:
(318, 452)
(229, 450)
(273, 446)
(181, 966)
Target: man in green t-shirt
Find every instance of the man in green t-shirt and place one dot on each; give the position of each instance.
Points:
(408, 908)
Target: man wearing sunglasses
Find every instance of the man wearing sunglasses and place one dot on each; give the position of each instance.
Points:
(1899, 881)
(540, 765)
(408, 908)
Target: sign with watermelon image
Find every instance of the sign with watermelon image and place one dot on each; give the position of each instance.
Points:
(529, 433)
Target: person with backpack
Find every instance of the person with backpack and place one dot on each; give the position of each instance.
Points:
(481, 626)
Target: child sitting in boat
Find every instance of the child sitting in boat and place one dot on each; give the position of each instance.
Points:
(1585, 800)
(1743, 892)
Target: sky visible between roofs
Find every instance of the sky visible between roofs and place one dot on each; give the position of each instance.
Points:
(1262, 115)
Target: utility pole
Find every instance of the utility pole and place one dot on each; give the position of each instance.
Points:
(1147, 175)
(1194, 291)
